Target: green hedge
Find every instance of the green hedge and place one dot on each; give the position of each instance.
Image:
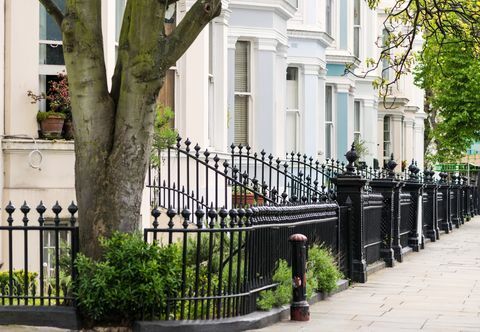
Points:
(18, 283)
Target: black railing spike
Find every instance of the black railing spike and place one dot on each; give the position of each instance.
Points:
(199, 214)
(216, 159)
(223, 213)
(206, 154)
(41, 210)
(232, 147)
(187, 144)
(233, 217)
(171, 213)
(179, 141)
(56, 210)
(72, 209)
(197, 149)
(25, 210)
(155, 214)
(186, 213)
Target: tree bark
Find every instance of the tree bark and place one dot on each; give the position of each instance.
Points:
(113, 129)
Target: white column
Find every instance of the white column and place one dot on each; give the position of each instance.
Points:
(21, 66)
(380, 120)
(397, 137)
(369, 134)
(280, 83)
(191, 118)
(263, 123)
(409, 143)
(320, 149)
(419, 138)
(311, 112)
(220, 76)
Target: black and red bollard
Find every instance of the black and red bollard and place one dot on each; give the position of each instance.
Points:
(299, 310)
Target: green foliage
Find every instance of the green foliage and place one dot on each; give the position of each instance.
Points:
(130, 281)
(50, 114)
(282, 294)
(322, 275)
(361, 148)
(164, 135)
(407, 21)
(450, 73)
(322, 265)
(18, 284)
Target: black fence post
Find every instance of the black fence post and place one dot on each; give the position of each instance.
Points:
(430, 225)
(415, 189)
(444, 209)
(389, 188)
(455, 206)
(349, 193)
(299, 310)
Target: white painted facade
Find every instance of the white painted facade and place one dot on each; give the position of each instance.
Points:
(281, 115)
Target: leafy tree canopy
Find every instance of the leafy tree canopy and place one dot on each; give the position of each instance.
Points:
(449, 71)
(408, 20)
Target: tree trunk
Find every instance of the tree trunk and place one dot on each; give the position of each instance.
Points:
(113, 130)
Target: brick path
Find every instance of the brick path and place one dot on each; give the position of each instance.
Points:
(437, 289)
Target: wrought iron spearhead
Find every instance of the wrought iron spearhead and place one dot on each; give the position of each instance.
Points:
(352, 157)
(391, 165)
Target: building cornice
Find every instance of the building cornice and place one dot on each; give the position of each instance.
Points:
(342, 58)
(304, 33)
(257, 34)
(284, 8)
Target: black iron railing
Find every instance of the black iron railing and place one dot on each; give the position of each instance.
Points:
(228, 257)
(41, 253)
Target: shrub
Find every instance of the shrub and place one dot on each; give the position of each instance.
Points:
(282, 294)
(130, 281)
(18, 283)
(322, 265)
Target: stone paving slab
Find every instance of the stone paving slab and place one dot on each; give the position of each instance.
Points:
(437, 289)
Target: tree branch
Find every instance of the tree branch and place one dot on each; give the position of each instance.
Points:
(199, 15)
(53, 10)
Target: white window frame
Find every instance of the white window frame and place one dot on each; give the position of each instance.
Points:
(329, 28)
(246, 94)
(296, 112)
(331, 122)
(386, 154)
(357, 29)
(357, 112)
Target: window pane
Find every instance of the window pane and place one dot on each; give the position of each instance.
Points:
(50, 54)
(241, 67)
(241, 120)
(356, 12)
(328, 140)
(356, 42)
(357, 117)
(328, 103)
(328, 17)
(292, 88)
(49, 29)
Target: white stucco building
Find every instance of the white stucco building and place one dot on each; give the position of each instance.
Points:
(268, 73)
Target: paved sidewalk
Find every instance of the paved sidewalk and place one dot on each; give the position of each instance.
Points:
(437, 289)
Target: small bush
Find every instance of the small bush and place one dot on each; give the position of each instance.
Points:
(131, 280)
(282, 294)
(18, 283)
(322, 265)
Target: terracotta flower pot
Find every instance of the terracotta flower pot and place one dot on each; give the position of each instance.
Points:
(246, 199)
(52, 126)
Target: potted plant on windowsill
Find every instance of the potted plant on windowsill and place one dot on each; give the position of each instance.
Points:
(58, 119)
